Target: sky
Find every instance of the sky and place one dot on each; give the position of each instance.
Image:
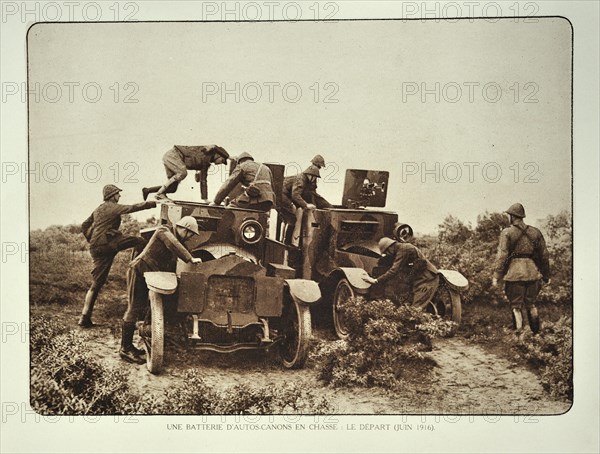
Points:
(468, 116)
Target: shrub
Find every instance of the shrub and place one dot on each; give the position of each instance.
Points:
(66, 377)
(386, 345)
(472, 251)
(194, 396)
(551, 352)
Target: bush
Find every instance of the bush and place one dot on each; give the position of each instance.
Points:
(472, 251)
(386, 345)
(194, 396)
(551, 352)
(66, 378)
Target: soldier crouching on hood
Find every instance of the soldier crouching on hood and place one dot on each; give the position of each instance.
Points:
(179, 159)
(410, 278)
(101, 230)
(522, 262)
(257, 180)
(163, 249)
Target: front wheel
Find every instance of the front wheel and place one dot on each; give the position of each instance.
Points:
(343, 292)
(297, 331)
(155, 345)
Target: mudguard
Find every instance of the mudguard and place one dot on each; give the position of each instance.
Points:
(355, 277)
(304, 291)
(454, 279)
(161, 282)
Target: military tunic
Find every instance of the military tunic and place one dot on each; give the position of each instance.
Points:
(522, 260)
(247, 173)
(409, 273)
(159, 255)
(101, 229)
(180, 158)
(298, 192)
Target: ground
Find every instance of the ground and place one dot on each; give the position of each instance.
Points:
(467, 378)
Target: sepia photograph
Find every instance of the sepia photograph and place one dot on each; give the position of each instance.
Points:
(280, 218)
(359, 217)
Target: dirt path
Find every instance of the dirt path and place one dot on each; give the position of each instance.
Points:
(468, 380)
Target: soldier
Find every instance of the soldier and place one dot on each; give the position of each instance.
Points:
(179, 159)
(257, 180)
(101, 230)
(300, 191)
(411, 278)
(522, 261)
(164, 246)
(318, 161)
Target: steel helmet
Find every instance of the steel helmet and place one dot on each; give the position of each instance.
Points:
(109, 190)
(516, 209)
(312, 170)
(385, 243)
(318, 161)
(220, 151)
(244, 156)
(188, 223)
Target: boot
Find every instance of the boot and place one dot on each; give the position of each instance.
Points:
(517, 320)
(146, 191)
(128, 351)
(85, 321)
(534, 320)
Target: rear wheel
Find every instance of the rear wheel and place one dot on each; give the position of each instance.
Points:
(155, 345)
(296, 330)
(447, 304)
(343, 291)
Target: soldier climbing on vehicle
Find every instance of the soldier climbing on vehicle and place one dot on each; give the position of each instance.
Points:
(299, 192)
(101, 230)
(257, 180)
(164, 247)
(179, 159)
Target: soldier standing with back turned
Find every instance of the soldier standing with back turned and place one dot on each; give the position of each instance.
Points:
(522, 262)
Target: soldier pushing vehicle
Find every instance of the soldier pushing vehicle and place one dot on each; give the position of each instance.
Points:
(410, 278)
(164, 247)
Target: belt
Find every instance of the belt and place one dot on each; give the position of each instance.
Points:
(521, 256)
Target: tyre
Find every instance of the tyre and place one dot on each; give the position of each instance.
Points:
(297, 331)
(343, 291)
(156, 344)
(447, 304)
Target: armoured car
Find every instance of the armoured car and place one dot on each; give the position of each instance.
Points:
(338, 246)
(235, 299)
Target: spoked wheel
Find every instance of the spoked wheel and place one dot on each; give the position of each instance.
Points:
(447, 304)
(343, 291)
(156, 343)
(296, 329)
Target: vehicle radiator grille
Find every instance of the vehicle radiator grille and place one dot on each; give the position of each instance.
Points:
(230, 293)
